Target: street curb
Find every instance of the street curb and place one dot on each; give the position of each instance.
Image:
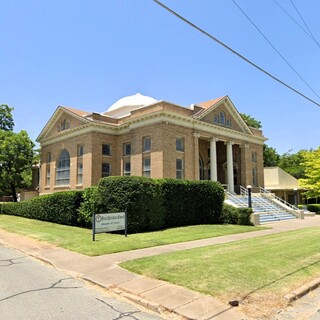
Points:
(303, 290)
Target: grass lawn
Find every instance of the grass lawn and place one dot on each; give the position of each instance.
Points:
(265, 268)
(80, 240)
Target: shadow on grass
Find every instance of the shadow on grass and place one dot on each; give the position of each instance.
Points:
(279, 279)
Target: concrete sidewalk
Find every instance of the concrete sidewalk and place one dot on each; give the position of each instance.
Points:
(153, 294)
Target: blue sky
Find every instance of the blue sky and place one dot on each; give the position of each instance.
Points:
(87, 54)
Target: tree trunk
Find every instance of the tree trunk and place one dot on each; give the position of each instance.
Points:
(14, 193)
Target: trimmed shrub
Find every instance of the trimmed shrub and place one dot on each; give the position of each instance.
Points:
(60, 207)
(191, 202)
(88, 206)
(314, 208)
(233, 215)
(140, 197)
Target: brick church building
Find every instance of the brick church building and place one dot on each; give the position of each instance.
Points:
(141, 136)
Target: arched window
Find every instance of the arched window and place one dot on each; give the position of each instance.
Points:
(63, 168)
(222, 118)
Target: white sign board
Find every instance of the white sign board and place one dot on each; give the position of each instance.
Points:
(107, 222)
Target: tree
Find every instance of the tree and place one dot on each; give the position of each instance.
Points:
(250, 121)
(6, 118)
(271, 157)
(311, 165)
(16, 158)
(291, 163)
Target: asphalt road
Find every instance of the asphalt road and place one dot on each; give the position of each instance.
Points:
(305, 308)
(30, 289)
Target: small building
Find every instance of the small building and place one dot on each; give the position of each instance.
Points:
(141, 136)
(282, 184)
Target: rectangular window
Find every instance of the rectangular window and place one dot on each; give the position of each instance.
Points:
(48, 175)
(80, 151)
(106, 150)
(179, 169)
(126, 149)
(79, 173)
(48, 160)
(254, 177)
(146, 167)
(179, 144)
(106, 170)
(146, 146)
(254, 157)
(127, 168)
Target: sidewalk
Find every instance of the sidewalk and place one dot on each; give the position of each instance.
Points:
(153, 294)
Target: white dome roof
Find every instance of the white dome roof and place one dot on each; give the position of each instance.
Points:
(136, 101)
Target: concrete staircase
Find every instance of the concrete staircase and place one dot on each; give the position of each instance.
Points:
(269, 209)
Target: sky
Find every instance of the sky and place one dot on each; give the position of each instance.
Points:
(87, 54)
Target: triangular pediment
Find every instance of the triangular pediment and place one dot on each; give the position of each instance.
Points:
(222, 112)
(62, 121)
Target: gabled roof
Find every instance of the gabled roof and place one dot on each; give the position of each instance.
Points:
(210, 105)
(58, 112)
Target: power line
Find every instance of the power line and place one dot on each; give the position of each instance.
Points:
(283, 58)
(233, 51)
(311, 34)
(295, 21)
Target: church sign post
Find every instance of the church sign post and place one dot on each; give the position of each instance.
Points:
(108, 222)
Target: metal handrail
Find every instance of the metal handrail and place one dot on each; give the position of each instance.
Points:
(262, 190)
(232, 196)
(243, 191)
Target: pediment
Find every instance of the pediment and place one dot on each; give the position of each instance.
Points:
(223, 113)
(62, 121)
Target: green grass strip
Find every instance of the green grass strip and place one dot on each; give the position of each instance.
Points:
(80, 240)
(272, 264)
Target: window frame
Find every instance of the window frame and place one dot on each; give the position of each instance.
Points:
(146, 144)
(104, 147)
(180, 140)
(125, 171)
(105, 174)
(179, 171)
(125, 150)
(63, 169)
(146, 168)
(80, 173)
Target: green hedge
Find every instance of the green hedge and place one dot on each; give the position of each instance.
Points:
(154, 204)
(314, 208)
(140, 197)
(191, 202)
(60, 207)
(151, 204)
(232, 215)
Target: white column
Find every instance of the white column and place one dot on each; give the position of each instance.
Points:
(213, 159)
(196, 156)
(230, 166)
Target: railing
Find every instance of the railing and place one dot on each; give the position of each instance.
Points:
(235, 199)
(262, 190)
(243, 191)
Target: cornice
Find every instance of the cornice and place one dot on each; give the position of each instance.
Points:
(151, 119)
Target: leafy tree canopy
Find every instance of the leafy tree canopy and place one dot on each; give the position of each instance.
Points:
(6, 118)
(271, 157)
(16, 158)
(311, 165)
(250, 121)
(291, 163)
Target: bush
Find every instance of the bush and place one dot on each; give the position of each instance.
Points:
(88, 206)
(60, 207)
(140, 197)
(154, 204)
(314, 208)
(233, 215)
(191, 202)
